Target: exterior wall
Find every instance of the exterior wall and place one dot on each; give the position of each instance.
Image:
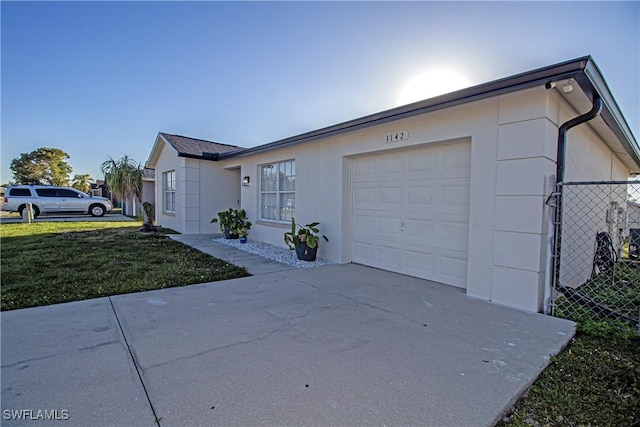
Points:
(513, 152)
(218, 189)
(323, 191)
(203, 189)
(168, 161)
(588, 159)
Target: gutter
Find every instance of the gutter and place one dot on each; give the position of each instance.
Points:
(562, 71)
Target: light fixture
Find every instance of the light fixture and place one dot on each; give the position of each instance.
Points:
(567, 88)
(246, 181)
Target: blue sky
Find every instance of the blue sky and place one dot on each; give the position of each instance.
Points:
(101, 79)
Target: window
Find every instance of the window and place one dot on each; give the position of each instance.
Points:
(169, 190)
(278, 191)
(20, 192)
(46, 192)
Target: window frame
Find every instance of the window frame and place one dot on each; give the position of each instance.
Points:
(278, 192)
(169, 194)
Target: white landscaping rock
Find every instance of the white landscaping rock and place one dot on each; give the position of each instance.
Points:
(275, 253)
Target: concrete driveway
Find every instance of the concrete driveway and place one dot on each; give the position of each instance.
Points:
(336, 345)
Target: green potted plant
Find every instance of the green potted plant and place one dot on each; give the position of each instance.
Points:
(304, 240)
(233, 223)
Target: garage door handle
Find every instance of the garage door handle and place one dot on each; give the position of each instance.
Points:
(402, 226)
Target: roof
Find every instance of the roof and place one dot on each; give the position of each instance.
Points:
(611, 123)
(189, 147)
(197, 148)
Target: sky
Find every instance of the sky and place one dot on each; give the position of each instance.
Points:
(100, 79)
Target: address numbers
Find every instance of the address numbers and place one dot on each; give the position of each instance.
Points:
(398, 136)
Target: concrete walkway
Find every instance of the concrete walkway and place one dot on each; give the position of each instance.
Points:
(335, 345)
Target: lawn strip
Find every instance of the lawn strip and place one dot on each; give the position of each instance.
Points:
(49, 263)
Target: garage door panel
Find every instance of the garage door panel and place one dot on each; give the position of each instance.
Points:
(425, 161)
(390, 165)
(419, 230)
(388, 256)
(454, 269)
(363, 252)
(456, 194)
(363, 224)
(418, 263)
(390, 196)
(419, 202)
(457, 157)
(390, 226)
(453, 235)
(365, 196)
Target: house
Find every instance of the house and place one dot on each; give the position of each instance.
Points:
(130, 205)
(450, 189)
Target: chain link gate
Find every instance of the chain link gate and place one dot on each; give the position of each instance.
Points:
(596, 272)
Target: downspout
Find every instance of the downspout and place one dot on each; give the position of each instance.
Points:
(555, 199)
(562, 135)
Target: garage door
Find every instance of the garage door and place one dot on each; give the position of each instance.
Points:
(411, 212)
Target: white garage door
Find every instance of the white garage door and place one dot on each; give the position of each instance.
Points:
(411, 212)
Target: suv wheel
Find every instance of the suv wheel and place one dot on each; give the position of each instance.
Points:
(97, 210)
(35, 210)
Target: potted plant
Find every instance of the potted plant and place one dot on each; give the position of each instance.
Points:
(304, 240)
(233, 223)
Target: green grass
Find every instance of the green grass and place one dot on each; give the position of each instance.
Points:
(594, 382)
(54, 262)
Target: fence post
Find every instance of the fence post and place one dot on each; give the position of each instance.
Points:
(27, 213)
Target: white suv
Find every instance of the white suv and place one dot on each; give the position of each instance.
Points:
(47, 199)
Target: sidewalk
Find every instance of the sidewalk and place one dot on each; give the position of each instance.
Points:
(254, 264)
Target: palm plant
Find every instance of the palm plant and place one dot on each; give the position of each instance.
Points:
(124, 177)
(82, 182)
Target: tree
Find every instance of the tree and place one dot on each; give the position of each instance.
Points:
(124, 177)
(46, 166)
(82, 182)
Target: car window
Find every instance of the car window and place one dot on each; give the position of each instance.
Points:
(62, 192)
(20, 192)
(46, 192)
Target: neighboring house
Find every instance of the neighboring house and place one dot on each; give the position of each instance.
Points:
(131, 206)
(450, 189)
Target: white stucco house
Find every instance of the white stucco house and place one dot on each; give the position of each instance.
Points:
(450, 189)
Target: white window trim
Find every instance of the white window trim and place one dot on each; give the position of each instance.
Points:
(166, 192)
(277, 193)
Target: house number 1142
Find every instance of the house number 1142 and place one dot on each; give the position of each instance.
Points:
(398, 136)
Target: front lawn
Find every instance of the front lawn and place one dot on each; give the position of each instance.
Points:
(594, 382)
(54, 262)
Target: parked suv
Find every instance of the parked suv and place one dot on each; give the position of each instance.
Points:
(47, 199)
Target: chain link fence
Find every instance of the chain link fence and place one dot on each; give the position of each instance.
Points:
(597, 252)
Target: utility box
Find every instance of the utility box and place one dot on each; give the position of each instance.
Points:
(634, 243)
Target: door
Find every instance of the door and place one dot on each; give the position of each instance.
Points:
(411, 212)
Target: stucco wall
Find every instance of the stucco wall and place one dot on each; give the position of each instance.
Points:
(203, 188)
(168, 160)
(513, 150)
(586, 208)
(323, 190)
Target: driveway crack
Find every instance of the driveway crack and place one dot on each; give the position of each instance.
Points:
(135, 363)
(287, 322)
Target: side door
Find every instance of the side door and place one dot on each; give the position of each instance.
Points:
(48, 200)
(70, 201)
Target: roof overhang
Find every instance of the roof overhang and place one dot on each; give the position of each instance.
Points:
(158, 145)
(611, 125)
